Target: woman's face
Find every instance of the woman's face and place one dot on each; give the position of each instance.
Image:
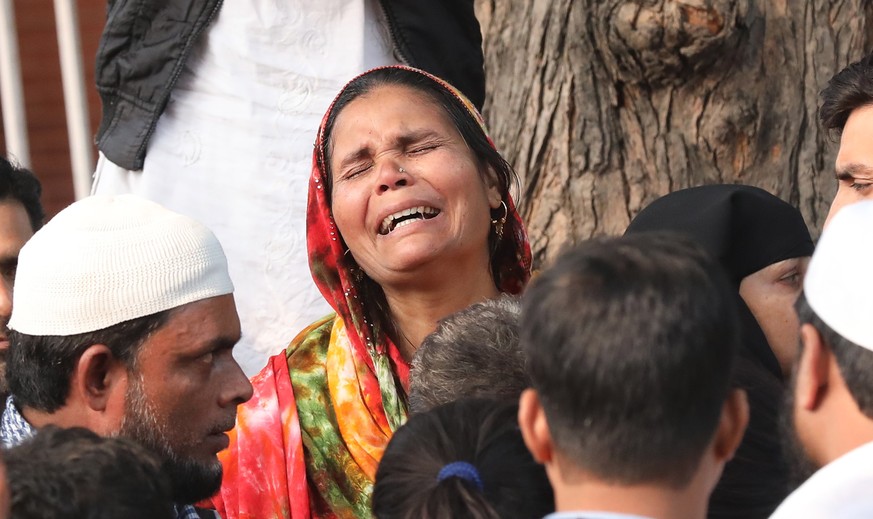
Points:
(407, 190)
(770, 294)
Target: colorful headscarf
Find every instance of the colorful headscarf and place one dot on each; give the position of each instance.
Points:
(309, 441)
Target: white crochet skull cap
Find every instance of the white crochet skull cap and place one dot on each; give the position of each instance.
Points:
(108, 259)
(834, 289)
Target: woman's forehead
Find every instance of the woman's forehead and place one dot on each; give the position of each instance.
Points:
(387, 110)
(402, 94)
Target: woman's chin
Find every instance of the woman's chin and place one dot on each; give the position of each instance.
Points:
(408, 262)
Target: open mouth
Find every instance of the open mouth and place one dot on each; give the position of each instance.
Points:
(406, 217)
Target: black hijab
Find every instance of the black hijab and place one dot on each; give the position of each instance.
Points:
(747, 229)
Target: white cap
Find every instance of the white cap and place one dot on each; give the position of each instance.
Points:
(837, 286)
(108, 259)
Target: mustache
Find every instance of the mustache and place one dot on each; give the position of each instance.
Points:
(225, 425)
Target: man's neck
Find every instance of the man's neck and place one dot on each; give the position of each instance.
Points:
(39, 419)
(831, 443)
(653, 501)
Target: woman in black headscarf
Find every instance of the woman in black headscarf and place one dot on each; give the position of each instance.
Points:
(764, 245)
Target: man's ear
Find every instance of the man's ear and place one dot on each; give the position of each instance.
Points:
(99, 379)
(731, 425)
(812, 369)
(534, 428)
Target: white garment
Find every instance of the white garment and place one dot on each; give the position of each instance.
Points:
(581, 514)
(842, 489)
(233, 149)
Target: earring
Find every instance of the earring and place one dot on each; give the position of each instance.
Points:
(498, 223)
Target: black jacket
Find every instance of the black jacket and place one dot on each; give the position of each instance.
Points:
(145, 44)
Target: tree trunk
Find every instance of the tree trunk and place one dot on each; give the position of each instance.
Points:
(604, 105)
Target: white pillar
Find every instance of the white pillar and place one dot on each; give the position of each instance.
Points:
(11, 90)
(75, 97)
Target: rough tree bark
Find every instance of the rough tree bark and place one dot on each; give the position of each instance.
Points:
(604, 105)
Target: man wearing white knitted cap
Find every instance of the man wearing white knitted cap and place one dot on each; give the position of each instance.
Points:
(123, 322)
(830, 418)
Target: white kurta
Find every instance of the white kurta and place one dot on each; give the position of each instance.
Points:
(234, 147)
(842, 489)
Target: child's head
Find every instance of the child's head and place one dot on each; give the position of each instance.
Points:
(462, 459)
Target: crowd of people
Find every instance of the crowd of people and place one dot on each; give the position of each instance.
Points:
(712, 362)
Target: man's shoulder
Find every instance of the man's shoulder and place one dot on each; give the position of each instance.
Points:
(206, 513)
(14, 429)
(839, 489)
(582, 514)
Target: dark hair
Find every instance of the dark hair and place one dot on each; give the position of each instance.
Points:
(503, 250)
(849, 89)
(855, 362)
(481, 432)
(757, 479)
(21, 185)
(630, 343)
(40, 366)
(74, 474)
(472, 353)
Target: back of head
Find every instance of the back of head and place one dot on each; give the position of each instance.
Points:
(75, 474)
(837, 301)
(629, 344)
(21, 185)
(105, 270)
(746, 229)
(420, 477)
(472, 353)
(849, 89)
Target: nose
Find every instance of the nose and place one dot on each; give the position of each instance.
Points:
(237, 389)
(392, 176)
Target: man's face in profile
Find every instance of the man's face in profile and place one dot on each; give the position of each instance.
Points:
(15, 230)
(854, 165)
(184, 393)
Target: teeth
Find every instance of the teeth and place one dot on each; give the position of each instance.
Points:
(388, 223)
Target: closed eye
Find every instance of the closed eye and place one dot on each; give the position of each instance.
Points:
(419, 150)
(856, 176)
(354, 172)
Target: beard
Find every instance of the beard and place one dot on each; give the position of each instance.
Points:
(800, 465)
(191, 480)
(4, 385)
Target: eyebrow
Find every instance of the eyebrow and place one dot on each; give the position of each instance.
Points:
(354, 157)
(403, 140)
(854, 170)
(223, 342)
